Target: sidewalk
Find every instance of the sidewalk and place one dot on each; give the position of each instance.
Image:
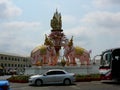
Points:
(5, 77)
(18, 85)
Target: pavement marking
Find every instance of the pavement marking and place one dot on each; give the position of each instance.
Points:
(75, 87)
(30, 87)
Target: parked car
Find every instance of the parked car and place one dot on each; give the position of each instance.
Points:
(54, 76)
(4, 85)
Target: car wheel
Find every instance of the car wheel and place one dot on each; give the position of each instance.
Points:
(38, 82)
(67, 82)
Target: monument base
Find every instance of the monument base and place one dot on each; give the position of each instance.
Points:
(82, 70)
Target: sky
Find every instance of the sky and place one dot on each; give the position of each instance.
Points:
(94, 24)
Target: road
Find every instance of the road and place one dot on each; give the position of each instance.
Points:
(94, 85)
(5, 77)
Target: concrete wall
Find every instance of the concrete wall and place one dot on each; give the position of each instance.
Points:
(83, 69)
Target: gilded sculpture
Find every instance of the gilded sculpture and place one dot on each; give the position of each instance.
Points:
(49, 53)
(56, 22)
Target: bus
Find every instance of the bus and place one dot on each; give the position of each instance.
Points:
(110, 64)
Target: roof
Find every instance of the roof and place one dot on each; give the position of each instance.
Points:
(112, 49)
(57, 70)
(116, 52)
(11, 54)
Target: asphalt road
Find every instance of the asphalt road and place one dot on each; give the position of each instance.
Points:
(94, 85)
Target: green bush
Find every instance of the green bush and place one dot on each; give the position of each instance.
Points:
(91, 77)
(79, 78)
(19, 78)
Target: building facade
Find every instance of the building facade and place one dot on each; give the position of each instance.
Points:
(10, 63)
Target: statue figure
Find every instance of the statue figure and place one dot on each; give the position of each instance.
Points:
(48, 42)
(49, 52)
(44, 54)
(56, 22)
(71, 53)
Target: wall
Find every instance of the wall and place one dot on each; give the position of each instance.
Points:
(83, 70)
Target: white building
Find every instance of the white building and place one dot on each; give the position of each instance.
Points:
(14, 63)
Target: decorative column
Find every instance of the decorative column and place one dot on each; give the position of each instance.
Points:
(56, 34)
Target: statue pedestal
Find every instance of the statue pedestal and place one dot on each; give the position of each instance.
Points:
(82, 70)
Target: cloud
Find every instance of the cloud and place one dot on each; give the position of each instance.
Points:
(69, 19)
(20, 25)
(97, 31)
(81, 35)
(103, 20)
(106, 3)
(8, 9)
(20, 37)
(103, 29)
(17, 45)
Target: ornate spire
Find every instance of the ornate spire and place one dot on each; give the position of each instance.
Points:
(71, 42)
(48, 41)
(56, 22)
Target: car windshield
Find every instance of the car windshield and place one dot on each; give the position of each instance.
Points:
(106, 58)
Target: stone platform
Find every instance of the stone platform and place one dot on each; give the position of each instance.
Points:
(83, 69)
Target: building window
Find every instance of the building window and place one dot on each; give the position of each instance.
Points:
(18, 59)
(12, 65)
(15, 65)
(8, 65)
(2, 65)
(5, 65)
(1, 57)
(12, 58)
(21, 59)
(5, 58)
(9, 58)
(15, 59)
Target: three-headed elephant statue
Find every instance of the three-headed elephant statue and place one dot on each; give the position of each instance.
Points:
(72, 53)
(44, 55)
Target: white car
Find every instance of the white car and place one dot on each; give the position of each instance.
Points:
(54, 76)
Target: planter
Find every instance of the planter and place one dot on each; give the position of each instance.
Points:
(87, 78)
(18, 79)
(83, 80)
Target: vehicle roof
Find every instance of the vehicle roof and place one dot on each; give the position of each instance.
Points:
(116, 52)
(112, 49)
(56, 70)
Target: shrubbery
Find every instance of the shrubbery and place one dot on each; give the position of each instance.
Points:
(79, 78)
(19, 78)
(91, 77)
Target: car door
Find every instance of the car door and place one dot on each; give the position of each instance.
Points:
(50, 77)
(60, 75)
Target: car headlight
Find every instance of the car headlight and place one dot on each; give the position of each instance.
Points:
(30, 78)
